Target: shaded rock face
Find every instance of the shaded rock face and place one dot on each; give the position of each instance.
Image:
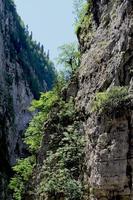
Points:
(15, 97)
(107, 60)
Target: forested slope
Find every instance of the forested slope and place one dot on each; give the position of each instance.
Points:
(25, 71)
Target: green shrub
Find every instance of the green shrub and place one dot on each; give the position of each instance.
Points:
(45, 102)
(67, 109)
(111, 99)
(61, 168)
(23, 170)
(33, 134)
(17, 186)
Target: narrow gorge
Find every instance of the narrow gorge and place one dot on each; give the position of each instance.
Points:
(75, 142)
(24, 73)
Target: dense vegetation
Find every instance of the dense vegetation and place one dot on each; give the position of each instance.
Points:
(38, 70)
(33, 134)
(55, 132)
(23, 171)
(60, 173)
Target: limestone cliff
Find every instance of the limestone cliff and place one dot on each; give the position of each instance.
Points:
(107, 61)
(99, 167)
(106, 42)
(20, 81)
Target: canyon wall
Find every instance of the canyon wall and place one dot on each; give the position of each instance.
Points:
(17, 78)
(107, 61)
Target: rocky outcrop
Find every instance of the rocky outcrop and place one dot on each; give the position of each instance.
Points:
(106, 43)
(16, 88)
(107, 60)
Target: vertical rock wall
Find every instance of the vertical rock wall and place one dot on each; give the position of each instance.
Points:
(15, 92)
(107, 60)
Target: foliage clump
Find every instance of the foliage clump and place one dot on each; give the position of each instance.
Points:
(62, 166)
(83, 14)
(33, 134)
(111, 99)
(61, 169)
(69, 57)
(23, 171)
(43, 107)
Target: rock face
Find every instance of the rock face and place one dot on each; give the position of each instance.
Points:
(106, 43)
(16, 91)
(107, 60)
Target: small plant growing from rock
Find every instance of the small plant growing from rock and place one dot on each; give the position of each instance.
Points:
(110, 100)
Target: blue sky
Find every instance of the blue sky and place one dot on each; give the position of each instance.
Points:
(51, 21)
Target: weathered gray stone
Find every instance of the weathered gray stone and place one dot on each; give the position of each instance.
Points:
(107, 62)
(15, 98)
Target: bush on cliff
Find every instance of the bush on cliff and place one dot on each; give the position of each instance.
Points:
(82, 14)
(61, 168)
(23, 171)
(110, 100)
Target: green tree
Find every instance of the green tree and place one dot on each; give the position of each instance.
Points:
(69, 57)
